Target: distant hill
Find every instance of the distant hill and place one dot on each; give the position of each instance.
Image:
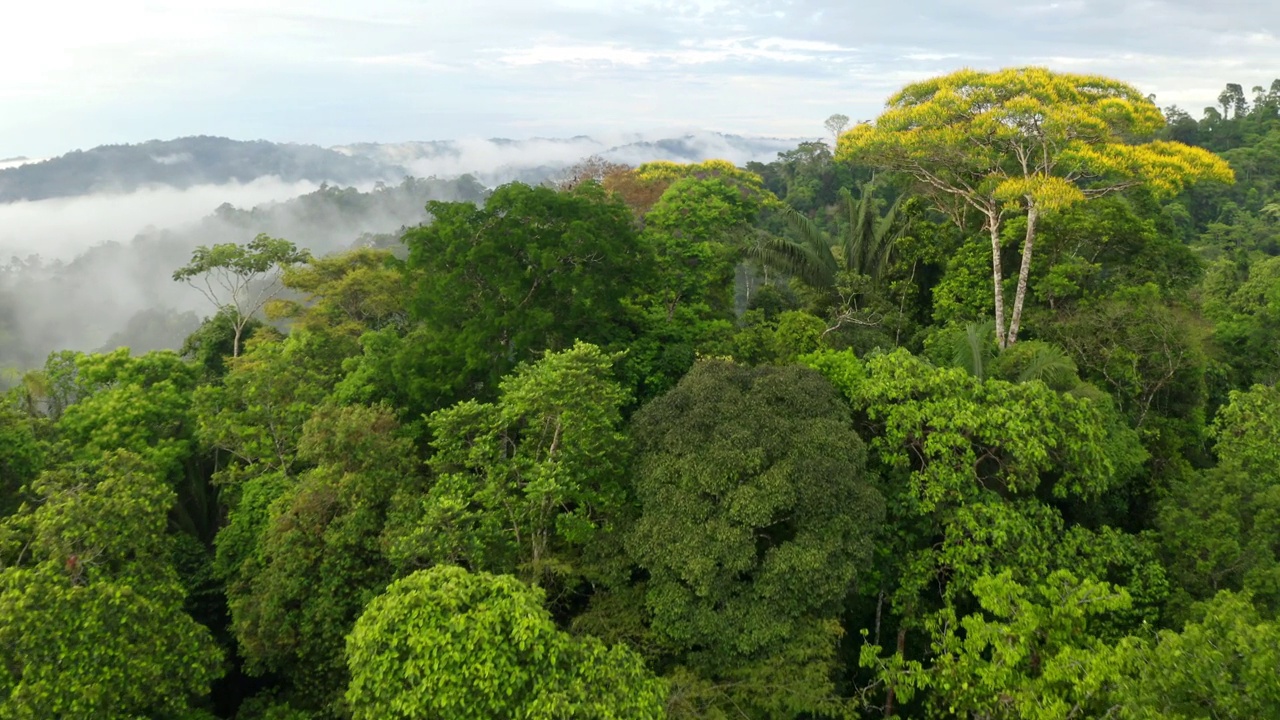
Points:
(184, 163)
(193, 161)
(501, 160)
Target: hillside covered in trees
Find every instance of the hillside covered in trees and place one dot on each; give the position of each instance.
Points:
(969, 413)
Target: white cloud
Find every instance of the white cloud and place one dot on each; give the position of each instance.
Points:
(64, 227)
(332, 71)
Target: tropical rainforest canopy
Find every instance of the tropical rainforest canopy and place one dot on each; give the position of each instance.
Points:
(971, 413)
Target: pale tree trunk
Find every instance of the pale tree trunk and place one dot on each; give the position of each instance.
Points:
(1023, 273)
(891, 696)
(997, 277)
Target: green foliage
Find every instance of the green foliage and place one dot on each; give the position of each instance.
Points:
(318, 560)
(142, 405)
(1221, 527)
(91, 619)
(253, 423)
(240, 278)
(779, 341)
(1221, 665)
(523, 484)
(1149, 355)
(533, 270)
(1244, 304)
(21, 454)
(1027, 655)
(974, 472)
(447, 643)
(213, 342)
(352, 292)
(754, 520)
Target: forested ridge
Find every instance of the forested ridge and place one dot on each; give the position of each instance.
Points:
(967, 412)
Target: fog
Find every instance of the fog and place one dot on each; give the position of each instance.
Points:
(496, 161)
(7, 163)
(62, 228)
(93, 272)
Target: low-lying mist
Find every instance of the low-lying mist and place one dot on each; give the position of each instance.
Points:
(498, 161)
(95, 272)
(92, 270)
(62, 228)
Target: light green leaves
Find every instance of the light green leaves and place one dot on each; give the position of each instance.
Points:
(445, 643)
(91, 618)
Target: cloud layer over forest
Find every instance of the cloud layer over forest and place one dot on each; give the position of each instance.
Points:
(89, 270)
(337, 71)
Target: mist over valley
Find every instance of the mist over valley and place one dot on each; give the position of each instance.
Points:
(89, 239)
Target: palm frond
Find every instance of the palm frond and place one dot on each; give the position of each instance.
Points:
(809, 258)
(796, 259)
(868, 245)
(975, 348)
(1049, 364)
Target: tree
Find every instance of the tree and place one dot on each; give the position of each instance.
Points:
(91, 610)
(139, 404)
(1029, 653)
(533, 270)
(755, 519)
(319, 556)
(523, 484)
(1245, 308)
(1023, 140)
(1150, 355)
(1221, 527)
(971, 471)
(446, 643)
(21, 454)
(351, 292)
(836, 124)
(240, 277)
(1233, 101)
(1221, 665)
(863, 247)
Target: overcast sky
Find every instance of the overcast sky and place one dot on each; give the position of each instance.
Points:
(79, 73)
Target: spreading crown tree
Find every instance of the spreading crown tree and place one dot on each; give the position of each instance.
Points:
(1024, 141)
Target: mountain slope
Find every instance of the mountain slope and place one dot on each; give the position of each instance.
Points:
(184, 163)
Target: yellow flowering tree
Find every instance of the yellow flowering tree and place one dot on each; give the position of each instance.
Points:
(1024, 141)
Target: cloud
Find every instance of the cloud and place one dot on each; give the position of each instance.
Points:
(339, 71)
(16, 162)
(62, 228)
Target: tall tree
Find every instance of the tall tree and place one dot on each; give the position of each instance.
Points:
(533, 270)
(836, 124)
(240, 277)
(1024, 140)
(522, 484)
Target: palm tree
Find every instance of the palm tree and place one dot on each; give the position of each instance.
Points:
(865, 247)
(975, 350)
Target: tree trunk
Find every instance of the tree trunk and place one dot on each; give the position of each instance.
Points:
(997, 277)
(235, 342)
(890, 696)
(1023, 273)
